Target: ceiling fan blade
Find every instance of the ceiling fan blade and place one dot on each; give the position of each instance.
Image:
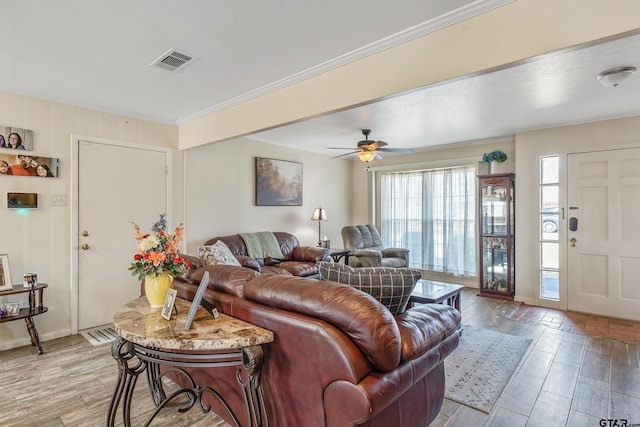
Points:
(378, 144)
(368, 145)
(345, 154)
(397, 150)
(339, 148)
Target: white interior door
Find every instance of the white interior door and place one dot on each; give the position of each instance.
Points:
(117, 185)
(604, 250)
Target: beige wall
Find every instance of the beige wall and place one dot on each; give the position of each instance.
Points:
(220, 183)
(40, 240)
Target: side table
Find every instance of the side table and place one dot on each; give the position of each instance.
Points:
(430, 292)
(146, 341)
(338, 254)
(35, 308)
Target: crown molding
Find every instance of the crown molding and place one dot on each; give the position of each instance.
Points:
(465, 12)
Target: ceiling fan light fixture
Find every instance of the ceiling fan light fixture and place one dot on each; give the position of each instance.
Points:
(615, 76)
(367, 156)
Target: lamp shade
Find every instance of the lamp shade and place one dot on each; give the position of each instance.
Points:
(366, 156)
(319, 215)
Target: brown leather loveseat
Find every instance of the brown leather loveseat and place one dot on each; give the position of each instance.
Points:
(339, 357)
(298, 260)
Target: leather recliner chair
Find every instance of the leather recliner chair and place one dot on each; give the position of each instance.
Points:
(366, 249)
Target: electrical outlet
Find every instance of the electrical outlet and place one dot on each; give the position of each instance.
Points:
(58, 199)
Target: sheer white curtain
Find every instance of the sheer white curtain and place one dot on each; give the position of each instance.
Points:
(432, 213)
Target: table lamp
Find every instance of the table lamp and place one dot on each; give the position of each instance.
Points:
(319, 215)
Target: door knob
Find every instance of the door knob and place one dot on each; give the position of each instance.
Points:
(85, 233)
(85, 246)
(573, 242)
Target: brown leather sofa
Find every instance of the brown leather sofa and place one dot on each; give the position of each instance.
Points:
(339, 357)
(298, 260)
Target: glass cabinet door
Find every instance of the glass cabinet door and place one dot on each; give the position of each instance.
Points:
(494, 209)
(495, 268)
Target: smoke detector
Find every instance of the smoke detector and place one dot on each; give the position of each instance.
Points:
(173, 61)
(615, 76)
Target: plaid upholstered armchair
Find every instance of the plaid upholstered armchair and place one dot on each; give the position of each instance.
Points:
(366, 248)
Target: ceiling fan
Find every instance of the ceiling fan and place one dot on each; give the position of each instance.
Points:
(367, 150)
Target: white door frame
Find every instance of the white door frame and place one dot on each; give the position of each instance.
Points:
(75, 235)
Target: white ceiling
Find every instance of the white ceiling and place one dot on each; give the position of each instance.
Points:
(96, 54)
(548, 91)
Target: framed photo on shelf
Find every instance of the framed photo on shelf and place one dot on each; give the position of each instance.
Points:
(12, 308)
(5, 275)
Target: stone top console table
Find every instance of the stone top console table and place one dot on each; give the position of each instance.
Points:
(146, 341)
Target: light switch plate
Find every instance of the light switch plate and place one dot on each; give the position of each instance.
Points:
(58, 199)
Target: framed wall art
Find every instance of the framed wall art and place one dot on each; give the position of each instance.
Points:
(5, 275)
(278, 182)
(16, 138)
(25, 164)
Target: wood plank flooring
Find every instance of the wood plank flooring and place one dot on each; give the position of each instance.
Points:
(71, 385)
(572, 375)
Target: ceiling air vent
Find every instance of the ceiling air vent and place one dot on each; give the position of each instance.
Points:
(172, 60)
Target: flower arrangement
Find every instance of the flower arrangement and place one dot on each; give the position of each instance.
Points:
(158, 251)
(494, 156)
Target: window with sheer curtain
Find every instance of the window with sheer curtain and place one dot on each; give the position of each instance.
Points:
(433, 214)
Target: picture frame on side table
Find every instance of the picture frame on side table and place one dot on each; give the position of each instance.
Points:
(196, 300)
(5, 274)
(169, 304)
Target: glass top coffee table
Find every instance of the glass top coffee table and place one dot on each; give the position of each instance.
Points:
(430, 292)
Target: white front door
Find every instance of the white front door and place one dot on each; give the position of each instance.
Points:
(604, 248)
(117, 185)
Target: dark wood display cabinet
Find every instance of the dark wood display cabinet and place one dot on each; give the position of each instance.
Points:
(497, 235)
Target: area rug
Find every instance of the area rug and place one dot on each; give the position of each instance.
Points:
(479, 369)
(100, 335)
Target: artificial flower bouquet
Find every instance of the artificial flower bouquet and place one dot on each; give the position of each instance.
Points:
(158, 251)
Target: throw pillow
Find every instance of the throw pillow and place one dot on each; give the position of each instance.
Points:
(391, 286)
(218, 253)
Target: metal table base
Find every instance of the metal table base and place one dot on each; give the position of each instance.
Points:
(133, 359)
